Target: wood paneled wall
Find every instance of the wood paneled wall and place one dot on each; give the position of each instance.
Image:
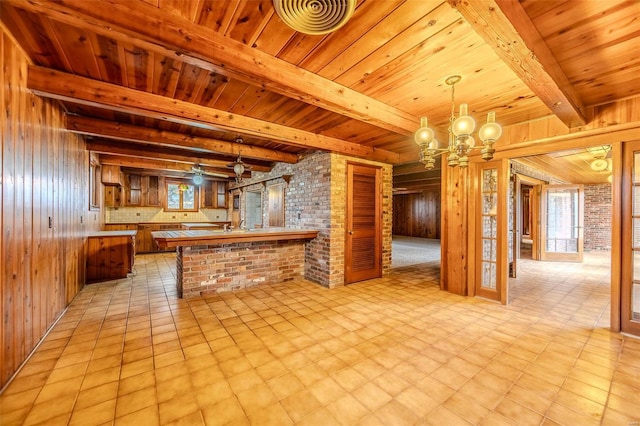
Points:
(45, 212)
(417, 215)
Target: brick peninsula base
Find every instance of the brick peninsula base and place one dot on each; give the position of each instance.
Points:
(204, 270)
(211, 262)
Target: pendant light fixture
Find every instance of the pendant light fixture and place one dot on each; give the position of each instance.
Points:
(460, 134)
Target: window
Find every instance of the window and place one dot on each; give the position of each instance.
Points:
(181, 196)
(94, 185)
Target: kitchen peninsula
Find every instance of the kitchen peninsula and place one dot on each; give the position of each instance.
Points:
(211, 261)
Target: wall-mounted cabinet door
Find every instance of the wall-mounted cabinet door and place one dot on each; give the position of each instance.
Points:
(133, 190)
(152, 191)
(213, 194)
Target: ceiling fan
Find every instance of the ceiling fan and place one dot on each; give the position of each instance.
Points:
(239, 166)
(199, 172)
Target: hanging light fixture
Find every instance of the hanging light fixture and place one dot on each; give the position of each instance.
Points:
(461, 141)
(239, 167)
(197, 178)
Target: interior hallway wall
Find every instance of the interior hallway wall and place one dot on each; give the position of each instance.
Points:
(45, 212)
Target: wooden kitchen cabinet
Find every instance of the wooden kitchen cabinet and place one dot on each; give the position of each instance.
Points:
(112, 196)
(110, 255)
(213, 194)
(133, 190)
(111, 175)
(143, 191)
(151, 191)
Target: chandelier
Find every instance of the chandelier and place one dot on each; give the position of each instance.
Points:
(461, 142)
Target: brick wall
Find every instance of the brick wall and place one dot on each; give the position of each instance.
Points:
(205, 270)
(315, 197)
(597, 217)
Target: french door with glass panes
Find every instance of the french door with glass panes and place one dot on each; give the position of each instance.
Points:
(562, 223)
(492, 239)
(630, 277)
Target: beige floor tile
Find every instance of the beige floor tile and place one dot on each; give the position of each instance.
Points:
(224, 412)
(103, 412)
(391, 351)
(518, 413)
(146, 416)
(135, 401)
(396, 413)
(89, 397)
(347, 410)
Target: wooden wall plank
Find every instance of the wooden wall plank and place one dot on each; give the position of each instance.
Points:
(44, 174)
(417, 215)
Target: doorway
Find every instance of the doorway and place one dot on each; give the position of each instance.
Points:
(549, 209)
(253, 214)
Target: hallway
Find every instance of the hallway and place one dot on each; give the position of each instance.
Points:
(395, 350)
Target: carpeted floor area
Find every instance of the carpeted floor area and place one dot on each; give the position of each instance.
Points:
(408, 251)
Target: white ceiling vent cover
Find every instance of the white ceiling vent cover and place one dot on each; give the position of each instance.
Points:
(315, 16)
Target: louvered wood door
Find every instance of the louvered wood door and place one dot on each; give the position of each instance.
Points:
(363, 245)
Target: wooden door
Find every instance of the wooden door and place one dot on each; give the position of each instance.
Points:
(562, 221)
(363, 242)
(491, 211)
(275, 196)
(630, 273)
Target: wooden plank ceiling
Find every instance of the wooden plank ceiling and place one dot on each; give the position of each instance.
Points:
(180, 80)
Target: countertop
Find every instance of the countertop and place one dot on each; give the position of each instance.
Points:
(202, 224)
(211, 237)
(102, 234)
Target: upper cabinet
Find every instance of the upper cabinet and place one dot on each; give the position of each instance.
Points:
(111, 175)
(213, 194)
(133, 190)
(141, 191)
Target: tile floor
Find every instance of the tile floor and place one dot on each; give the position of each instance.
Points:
(391, 351)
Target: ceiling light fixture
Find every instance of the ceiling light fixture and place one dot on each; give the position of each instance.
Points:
(239, 166)
(314, 17)
(461, 141)
(198, 179)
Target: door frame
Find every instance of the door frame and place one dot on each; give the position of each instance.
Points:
(558, 256)
(534, 202)
(626, 224)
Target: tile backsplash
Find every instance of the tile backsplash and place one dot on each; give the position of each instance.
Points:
(155, 214)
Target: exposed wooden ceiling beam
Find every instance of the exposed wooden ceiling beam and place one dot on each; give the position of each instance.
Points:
(409, 169)
(506, 27)
(145, 163)
(131, 150)
(127, 132)
(71, 88)
(149, 27)
(417, 177)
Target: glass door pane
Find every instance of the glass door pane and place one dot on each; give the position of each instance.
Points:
(562, 214)
(630, 236)
(490, 208)
(489, 198)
